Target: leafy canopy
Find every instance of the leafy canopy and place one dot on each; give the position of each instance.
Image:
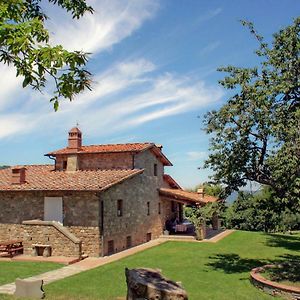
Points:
(24, 44)
(260, 212)
(256, 134)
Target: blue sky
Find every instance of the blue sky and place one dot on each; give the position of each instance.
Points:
(154, 65)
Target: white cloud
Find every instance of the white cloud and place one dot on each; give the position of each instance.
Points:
(15, 123)
(209, 15)
(127, 94)
(10, 85)
(197, 155)
(112, 21)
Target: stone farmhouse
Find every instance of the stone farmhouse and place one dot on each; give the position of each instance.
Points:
(93, 200)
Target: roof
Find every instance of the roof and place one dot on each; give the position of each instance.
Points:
(75, 130)
(109, 148)
(115, 148)
(45, 178)
(192, 197)
(171, 181)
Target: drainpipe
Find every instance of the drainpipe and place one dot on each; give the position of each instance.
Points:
(54, 158)
(133, 164)
(102, 225)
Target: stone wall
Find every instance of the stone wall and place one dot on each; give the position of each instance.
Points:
(91, 239)
(62, 242)
(80, 210)
(135, 193)
(92, 161)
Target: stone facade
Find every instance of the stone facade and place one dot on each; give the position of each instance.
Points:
(58, 237)
(81, 217)
(136, 221)
(93, 217)
(93, 161)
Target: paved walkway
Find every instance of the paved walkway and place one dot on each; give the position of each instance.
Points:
(94, 262)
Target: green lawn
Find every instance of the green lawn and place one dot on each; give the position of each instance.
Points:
(206, 270)
(10, 270)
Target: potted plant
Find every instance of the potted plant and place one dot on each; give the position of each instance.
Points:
(197, 217)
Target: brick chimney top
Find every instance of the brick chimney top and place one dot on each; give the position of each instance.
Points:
(18, 175)
(75, 138)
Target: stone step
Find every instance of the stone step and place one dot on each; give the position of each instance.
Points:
(178, 237)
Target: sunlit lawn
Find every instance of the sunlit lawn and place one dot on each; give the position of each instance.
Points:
(10, 270)
(206, 270)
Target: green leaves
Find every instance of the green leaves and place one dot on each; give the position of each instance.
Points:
(256, 134)
(24, 44)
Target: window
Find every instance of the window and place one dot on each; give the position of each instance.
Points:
(148, 237)
(65, 163)
(173, 207)
(159, 210)
(148, 208)
(128, 242)
(110, 247)
(120, 208)
(155, 170)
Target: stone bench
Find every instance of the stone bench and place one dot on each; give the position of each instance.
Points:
(41, 250)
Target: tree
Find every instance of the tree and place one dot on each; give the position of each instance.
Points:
(256, 134)
(209, 188)
(24, 44)
(260, 212)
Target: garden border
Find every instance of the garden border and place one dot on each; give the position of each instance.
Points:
(271, 287)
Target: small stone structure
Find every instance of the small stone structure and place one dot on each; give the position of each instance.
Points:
(151, 285)
(46, 238)
(32, 289)
(271, 287)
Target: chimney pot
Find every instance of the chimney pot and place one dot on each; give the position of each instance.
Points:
(75, 139)
(18, 175)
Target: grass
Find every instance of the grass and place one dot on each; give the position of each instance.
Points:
(285, 273)
(206, 270)
(10, 270)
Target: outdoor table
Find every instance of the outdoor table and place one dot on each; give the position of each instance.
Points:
(11, 247)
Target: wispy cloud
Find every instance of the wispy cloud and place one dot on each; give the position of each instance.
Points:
(197, 155)
(112, 21)
(125, 95)
(209, 15)
(209, 48)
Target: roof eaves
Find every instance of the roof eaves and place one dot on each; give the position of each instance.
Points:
(156, 151)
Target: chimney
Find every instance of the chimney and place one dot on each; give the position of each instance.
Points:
(201, 192)
(75, 139)
(18, 175)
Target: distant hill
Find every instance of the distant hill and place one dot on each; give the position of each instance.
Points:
(3, 167)
(230, 199)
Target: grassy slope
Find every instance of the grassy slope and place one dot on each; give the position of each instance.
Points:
(207, 271)
(10, 270)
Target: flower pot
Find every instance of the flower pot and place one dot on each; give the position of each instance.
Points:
(201, 232)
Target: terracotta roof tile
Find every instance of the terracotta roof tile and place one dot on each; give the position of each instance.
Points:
(116, 148)
(187, 196)
(134, 147)
(43, 177)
